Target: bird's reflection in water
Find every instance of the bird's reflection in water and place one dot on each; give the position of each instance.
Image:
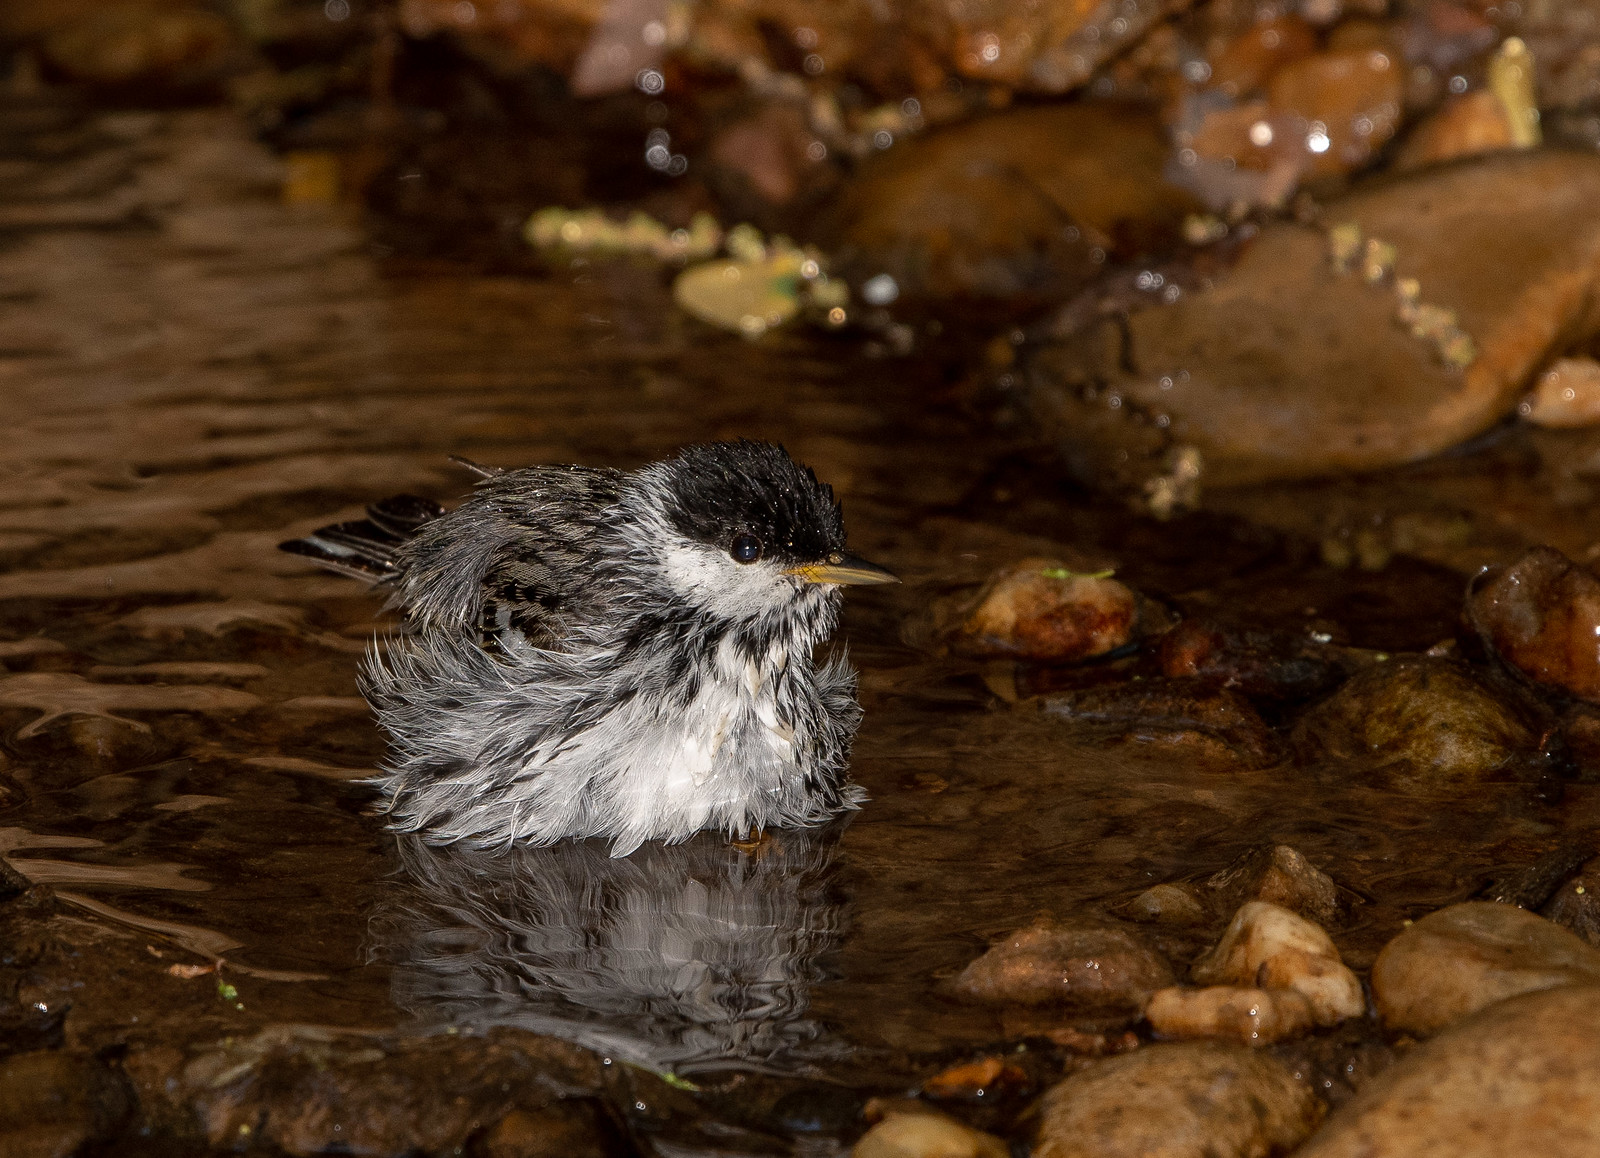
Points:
(693, 956)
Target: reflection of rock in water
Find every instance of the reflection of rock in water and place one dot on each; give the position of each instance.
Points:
(676, 957)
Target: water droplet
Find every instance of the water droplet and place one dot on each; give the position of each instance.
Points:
(880, 290)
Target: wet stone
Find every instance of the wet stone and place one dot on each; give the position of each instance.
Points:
(1081, 965)
(1185, 715)
(1576, 903)
(1566, 395)
(913, 1132)
(1178, 1100)
(54, 1103)
(1520, 1077)
(1283, 876)
(1247, 1015)
(1040, 610)
(1458, 960)
(1254, 661)
(1169, 904)
(1542, 616)
(1463, 126)
(1268, 946)
(1290, 367)
(1033, 201)
(1422, 725)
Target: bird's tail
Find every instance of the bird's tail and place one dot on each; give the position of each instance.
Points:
(366, 548)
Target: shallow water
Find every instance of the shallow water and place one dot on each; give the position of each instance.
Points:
(195, 373)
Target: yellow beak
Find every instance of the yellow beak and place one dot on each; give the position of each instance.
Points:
(845, 570)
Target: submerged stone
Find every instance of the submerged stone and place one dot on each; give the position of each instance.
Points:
(1420, 725)
(1254, 661)
(1179, 714)
(1576, 903)
(1040, 610)
(1279, 874)
(1177, 1100)
(1045, 963)
(1458, 960)
(1522, 1077)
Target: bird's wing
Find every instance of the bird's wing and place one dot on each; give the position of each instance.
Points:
(367, 548)
(512, 556)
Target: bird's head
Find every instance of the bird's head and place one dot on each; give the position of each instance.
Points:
(747, 533)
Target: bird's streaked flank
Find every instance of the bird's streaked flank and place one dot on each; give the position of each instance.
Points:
(593, 652)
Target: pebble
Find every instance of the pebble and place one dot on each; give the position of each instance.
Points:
(1289, 368)
(1177, 1100)
(1169, 904)
(1268, 946)
(1463, 126)
(1522, 1077)
(1046, 963)
(1282, 875)
(1460, 959)
(1418, 725)
(1542, 616)
(930, 1134)
(1566, 395)
(1245, 1014)
(1039, 610)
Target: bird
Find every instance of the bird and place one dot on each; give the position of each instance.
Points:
(588, 652)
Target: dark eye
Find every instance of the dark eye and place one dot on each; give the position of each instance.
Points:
(746, 548)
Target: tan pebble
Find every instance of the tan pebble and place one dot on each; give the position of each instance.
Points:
(1565, 395)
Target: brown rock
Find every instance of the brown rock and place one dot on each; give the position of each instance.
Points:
(1181, 1100)
(1576, 903)
(928, 1134)
(1542, 616)
(1252, 660)
(54, 1102)
(1266, 945)
(568, 1129)
(1179, 713)
(1417, 724)
(1465, 126)
(1244, 1014)
(1039, 610)
(1245, 62)
(1027, 201)
(1520, 1078)
(1288, 368)
(1279, 874)
(1354, 95)
(1091, 965)
(1458, 960)
(1169, 904)
(133, 43)
(1566, 395)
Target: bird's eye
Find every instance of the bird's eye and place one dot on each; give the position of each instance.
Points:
(746, 548)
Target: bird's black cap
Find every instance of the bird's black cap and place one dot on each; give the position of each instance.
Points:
(721, 490)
